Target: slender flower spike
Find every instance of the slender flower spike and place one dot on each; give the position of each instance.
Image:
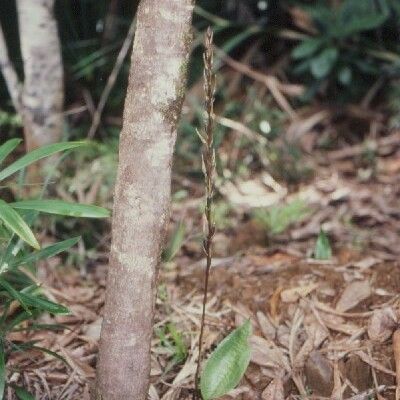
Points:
(208, 166)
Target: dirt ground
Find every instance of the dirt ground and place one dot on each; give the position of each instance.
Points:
(320, 329)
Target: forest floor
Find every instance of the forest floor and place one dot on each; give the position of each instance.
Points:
(321, 329)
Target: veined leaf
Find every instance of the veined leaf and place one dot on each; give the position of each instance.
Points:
(227, 364)
(14, 222)
(323, 249)
(47, 252)
(8, 147)
(60, 207)
(37, 155)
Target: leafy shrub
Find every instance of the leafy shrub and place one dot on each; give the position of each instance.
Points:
(343, 52)
(22, 299)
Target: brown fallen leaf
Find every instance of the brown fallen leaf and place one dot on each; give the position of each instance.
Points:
(382, 324)
(353, 295)
(274, 391)
(266, 354)
(274, 303)
(293, 294)
(319, 374)
(266, 326)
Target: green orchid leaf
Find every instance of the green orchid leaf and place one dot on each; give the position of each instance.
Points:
(227, 364)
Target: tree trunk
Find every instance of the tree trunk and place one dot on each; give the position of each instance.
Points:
(43, 92)
(142, 195)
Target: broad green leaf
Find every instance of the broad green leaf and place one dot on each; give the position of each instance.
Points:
(323, 249)
(8, 147)
(307, 48)
(2, 368)
(14, 222)
(360, 15)
(22, 394)
(37, 155)
(324, 62)
(61, 207)
(46, 252)
(175, 243)
(227, 364)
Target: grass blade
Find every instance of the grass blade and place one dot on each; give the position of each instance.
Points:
(60, 207)
(47, 252)
(8, 147)
(37, 155)
(14, 294)
(15, 223)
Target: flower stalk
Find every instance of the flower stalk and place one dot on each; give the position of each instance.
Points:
(208, 165)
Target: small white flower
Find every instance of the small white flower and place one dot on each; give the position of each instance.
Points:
(265, 127)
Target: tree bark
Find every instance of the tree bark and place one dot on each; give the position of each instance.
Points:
(43, 89)
(9, 74)
(142, 195)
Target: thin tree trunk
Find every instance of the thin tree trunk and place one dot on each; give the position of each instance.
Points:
(43, 91)
(142, 195)
(9, 74)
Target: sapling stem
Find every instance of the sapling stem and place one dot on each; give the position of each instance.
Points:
(208, 163)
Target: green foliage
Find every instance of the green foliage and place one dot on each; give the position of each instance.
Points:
(60, 207)
(14, 222)
(343, 53)
(227, 364)
(323, 250)
(22, 394)
(18, 261)
(172, 341)
(277, 219)
(175, 242)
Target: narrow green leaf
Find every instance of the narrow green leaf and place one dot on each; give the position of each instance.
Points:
(47, 252)
(37, 155)
(14, 222)
(2, 368)
(8, 147)
(175, 243)
(15, 294)
(323, 250)
(227, 364)
(22, 394)
(43, 304)
(60, 207)
(51, 353)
